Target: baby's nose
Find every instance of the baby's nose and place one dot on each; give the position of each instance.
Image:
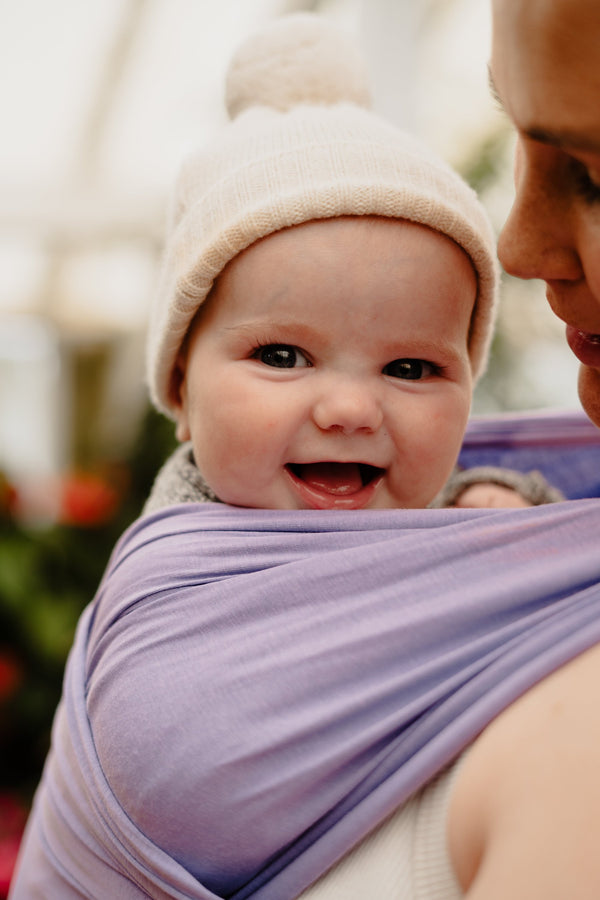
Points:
(348, 407)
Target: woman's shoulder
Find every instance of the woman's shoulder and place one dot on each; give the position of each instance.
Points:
(525, 813)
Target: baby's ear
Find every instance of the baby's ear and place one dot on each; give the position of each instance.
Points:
(177, 393)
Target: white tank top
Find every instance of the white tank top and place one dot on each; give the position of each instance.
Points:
(405, 858)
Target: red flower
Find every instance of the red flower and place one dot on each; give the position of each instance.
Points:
(87, 499)
(12, 823)
(10, 675)
(9, 848)
(8, 496)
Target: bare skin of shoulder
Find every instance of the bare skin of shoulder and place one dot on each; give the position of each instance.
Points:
(524, 820)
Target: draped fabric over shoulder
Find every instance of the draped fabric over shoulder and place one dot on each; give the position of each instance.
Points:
(253, 691)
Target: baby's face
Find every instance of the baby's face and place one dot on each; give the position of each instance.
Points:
(329, 368)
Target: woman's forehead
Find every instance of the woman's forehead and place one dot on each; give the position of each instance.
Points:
(545, 66)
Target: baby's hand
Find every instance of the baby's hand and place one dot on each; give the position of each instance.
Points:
(487, 495)
(495, 487)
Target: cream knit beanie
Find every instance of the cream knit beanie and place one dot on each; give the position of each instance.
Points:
(303, 145)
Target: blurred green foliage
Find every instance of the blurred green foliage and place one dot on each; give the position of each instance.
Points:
(47, 577)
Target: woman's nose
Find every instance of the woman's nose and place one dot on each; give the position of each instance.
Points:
(532, 244)
(348, 406)
(539, 238)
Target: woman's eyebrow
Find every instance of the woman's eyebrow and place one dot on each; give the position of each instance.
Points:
(561, 138)
(564, 139)
(494, 90)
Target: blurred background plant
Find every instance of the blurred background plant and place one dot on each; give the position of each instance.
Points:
(50, 567)
(48, 572)
(99, 102)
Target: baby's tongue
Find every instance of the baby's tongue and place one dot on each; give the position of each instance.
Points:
(333, 478)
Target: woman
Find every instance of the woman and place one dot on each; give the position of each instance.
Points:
(525, 814)
(545, 69)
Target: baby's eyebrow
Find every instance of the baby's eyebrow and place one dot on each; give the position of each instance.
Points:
(251, 326)
(281, 331)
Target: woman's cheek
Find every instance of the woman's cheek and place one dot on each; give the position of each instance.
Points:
(589, 392)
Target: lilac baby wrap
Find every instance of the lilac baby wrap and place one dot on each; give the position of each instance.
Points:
(253, 691)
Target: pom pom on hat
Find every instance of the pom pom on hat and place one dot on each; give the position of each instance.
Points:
(296, 59)
(302, 145)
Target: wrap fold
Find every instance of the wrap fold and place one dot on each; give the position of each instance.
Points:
(253, 691)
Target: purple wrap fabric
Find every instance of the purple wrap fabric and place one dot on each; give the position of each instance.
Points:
(253, 691)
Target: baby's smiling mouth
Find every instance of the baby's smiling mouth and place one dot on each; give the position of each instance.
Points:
(336, 478)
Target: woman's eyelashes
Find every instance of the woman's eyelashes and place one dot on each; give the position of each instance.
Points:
(281, 356)
(410, 369)
(587, 185)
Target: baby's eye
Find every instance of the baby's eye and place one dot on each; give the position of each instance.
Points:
(281, 356)
(409, 369)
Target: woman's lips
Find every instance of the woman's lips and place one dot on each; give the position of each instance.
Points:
(585, 346)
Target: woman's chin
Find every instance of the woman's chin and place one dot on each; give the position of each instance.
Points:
(589, 392)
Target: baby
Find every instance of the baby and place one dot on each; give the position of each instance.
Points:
(327, 300)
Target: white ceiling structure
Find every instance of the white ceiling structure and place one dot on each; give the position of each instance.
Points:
(100, 98)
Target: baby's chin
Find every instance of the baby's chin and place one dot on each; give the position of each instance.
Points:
(589, 392)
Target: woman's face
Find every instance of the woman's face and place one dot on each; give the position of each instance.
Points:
(545, 68)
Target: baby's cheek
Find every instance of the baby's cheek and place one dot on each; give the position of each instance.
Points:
(240, 437)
